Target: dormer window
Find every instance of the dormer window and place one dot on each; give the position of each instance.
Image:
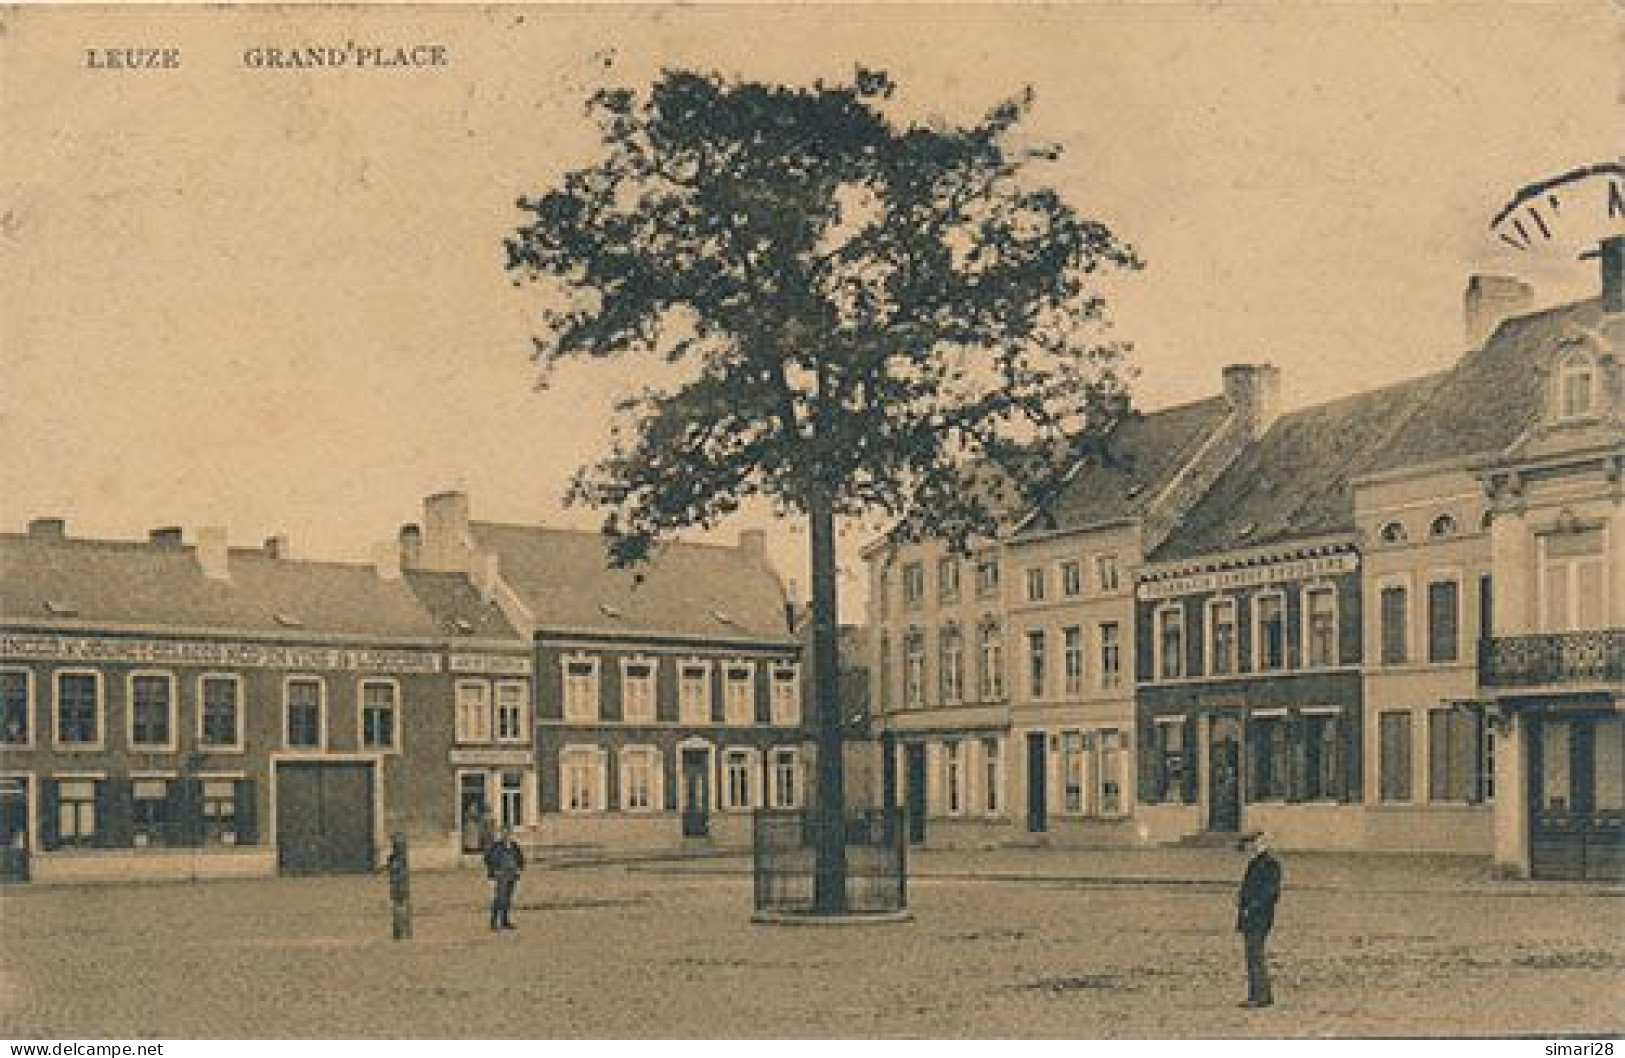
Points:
(1392, 533)
(1443, 525)
(1576, 385)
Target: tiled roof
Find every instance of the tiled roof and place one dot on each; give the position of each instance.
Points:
(690, 590)
(89, 582)
(1490, 397)
(457, 609)
(1140, 457)
(1295, 481)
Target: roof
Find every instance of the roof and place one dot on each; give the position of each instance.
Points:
(1296, 480)
(90, 582)
(1491, 397)
(705, 591)
(1141, 456)
(456, 607)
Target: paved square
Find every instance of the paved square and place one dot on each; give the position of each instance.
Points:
(1009, 944)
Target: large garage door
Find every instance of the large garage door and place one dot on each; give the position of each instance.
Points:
(324, 817)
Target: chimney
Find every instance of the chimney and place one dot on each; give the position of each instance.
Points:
(1612, 256)
(490, 572)
(276, 547)
(753, 545)
(211, 552)
(409, 542)
(165, 536)
(386, 560)
(445, 530)
(48, 528)
(1489, 301)
(1254, 393)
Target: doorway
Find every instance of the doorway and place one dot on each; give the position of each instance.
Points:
(914, 781)
(696, 793)
(1577, 797)
(324, 817)
(1224, 774)
(1037, 782)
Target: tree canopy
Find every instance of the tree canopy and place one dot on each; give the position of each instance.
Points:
(860, 311)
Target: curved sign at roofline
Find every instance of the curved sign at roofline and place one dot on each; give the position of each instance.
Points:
(1567, 215)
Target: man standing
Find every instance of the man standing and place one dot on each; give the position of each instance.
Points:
(504, 861)
(1255, 914)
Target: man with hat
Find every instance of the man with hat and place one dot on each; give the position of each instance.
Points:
(1255, 915)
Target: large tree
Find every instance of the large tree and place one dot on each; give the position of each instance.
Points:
(855, 313)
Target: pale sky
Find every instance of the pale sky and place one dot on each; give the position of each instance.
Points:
(273, 300)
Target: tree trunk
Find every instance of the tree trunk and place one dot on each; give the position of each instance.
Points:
(829, 811)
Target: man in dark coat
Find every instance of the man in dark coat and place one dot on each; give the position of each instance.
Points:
(504, 862)
(1255, 914)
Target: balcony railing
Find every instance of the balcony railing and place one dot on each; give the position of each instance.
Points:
(1552, 658)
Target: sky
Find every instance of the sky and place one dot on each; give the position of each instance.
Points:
(274, 301)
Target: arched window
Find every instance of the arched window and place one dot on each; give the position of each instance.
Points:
(1443, 525)
(1392, 533)
(1576, 385)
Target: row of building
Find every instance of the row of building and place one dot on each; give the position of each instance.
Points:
(1392, 622)
(174, 708)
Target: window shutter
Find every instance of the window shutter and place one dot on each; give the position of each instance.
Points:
(1481, 778)
(247, 822)
(1349, 750)
(188, 797)
(1297, 755)
(49, 815)
(114, 806)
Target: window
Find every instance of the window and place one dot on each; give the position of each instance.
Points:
(948, 579)
(1035, 585)
(1323, 757)
(640, 779)
(951, 665)
(1442, 526)
(954, 778)
(1072, 773)
(1269, 645)
(15, 685)
(152, 709)
(1106, 573)
(302, 708)
(1171, 642)
(992, 651)
(739, 694)
(1072, 659)
(1320, 623)
(1444, 621)
(991, 803)
(913, 583)
(638, 692)
(785, 703)
(1111, 654)
(987, 576)
(378, 701)
(582, 778)
(1113, 773)
(1392, 533)
(473, 711)
(1270, 766)
(513, 714)
(785, 777)
(694, 692)
(581, 689)
(1393, 617)
(1394, 756)
(1575, 383)
(1574, 581)
(1036, 663)
(1171, 768)
(149, 813)
(1071, 578)
(222, 711)
(220, 811)
(78, 708)
(76, 811)
(914, 669)
(739, 779)
(1222, 645)
(1454, 749)
(511, 799)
